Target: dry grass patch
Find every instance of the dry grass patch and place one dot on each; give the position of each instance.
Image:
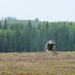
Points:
(37, 63)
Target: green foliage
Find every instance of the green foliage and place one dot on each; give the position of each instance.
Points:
(29, 36)
(5, 25)
(0, 25)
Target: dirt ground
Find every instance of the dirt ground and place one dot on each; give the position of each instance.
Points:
(37, 63)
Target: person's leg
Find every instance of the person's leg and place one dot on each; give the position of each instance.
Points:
(54, 49)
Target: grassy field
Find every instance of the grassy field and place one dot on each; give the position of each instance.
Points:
(37, 63)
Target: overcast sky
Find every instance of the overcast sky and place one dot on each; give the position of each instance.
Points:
(45, 10)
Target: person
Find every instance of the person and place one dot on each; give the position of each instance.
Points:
(50, 46)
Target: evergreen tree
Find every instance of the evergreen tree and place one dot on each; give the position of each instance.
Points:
(3, 41)
(12, 27)
(29, 36)
(7, 42)
(5, 25)
(0, 25)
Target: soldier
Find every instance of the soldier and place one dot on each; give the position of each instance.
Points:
(50, 46)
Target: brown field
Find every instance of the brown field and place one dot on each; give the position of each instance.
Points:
(37, 63)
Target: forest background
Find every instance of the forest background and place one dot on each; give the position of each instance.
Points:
(32, 35)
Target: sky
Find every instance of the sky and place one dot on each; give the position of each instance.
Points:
(44, 10)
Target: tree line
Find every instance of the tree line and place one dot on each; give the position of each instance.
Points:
(32, 35)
